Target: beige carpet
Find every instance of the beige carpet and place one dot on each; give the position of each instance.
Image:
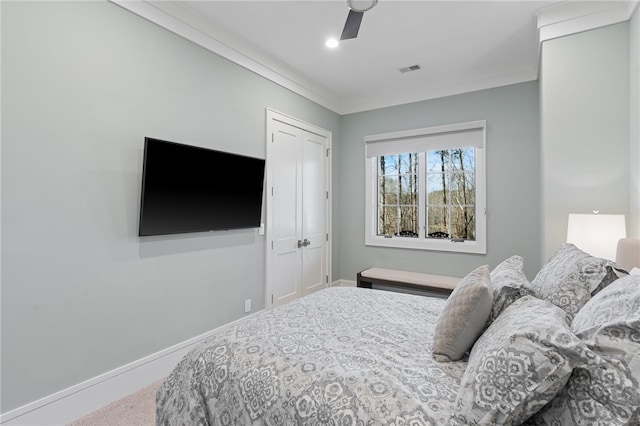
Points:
(137, 409)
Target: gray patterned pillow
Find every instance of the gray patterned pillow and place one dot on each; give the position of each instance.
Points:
(509, 284)
(607, 390)
(571, 277)
(518, 365)
(463, 317)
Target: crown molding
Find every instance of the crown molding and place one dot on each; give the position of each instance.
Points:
(573, 17)
(560, 20)
(417, 94)
(179, 19)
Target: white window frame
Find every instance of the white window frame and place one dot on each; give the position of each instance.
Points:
(426, 139)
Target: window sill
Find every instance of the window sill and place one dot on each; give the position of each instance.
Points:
(476, 247)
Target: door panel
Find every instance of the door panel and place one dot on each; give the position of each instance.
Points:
(313, 273)
(314, 200)
(286, 278)
(285, 212)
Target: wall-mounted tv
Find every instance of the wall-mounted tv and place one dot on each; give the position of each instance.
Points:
(191, 189)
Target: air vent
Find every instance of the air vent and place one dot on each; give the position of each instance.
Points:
(409, 69)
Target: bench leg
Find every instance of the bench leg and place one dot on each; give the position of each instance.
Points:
(363, 282)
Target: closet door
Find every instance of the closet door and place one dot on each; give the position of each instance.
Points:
(297, 211)
(314, 200)
(285, 212)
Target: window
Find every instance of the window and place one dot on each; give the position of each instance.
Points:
(426, 188)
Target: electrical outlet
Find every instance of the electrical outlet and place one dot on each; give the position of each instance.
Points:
(247, 305)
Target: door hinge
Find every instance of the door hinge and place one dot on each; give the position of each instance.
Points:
(327, 237)
(327, 152)
(271, 244)
(272, 299)
(326, 279)
(273, 137)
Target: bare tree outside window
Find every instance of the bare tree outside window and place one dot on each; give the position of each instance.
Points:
(451, 194)
(398, 195)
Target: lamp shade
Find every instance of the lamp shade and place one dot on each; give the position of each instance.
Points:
(596, 234)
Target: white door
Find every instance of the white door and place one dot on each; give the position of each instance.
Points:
(297, 209)
(314, 202)
(285, 211)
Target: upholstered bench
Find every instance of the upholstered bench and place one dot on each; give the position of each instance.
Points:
(393, 278)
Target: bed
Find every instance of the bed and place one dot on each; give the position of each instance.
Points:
(561, 349)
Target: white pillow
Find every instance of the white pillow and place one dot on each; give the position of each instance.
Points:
(464, 316)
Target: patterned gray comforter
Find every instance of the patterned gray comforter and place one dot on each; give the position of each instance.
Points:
(341, 356)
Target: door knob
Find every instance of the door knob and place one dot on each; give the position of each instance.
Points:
(303, 243)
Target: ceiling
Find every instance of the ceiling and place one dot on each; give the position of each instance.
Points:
(460, 46)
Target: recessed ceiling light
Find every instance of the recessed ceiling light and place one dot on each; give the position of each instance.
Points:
(332, 43)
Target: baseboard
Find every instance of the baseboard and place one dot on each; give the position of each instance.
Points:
(77, 401)
(343, 283)
(83, 398)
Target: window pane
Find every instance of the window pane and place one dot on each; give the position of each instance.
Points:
(470, 189)
(408, 163)
(437, 161)
(462, 188)
(463, 223)
(388, 190)
(409, 221)
(463, 159)
(436, 182)
(437, 222)
(408, 189)
(388, 165)
(387, 220)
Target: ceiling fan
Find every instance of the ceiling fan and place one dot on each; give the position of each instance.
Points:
(357, 8)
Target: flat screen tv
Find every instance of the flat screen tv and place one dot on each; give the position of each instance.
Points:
(192, 189)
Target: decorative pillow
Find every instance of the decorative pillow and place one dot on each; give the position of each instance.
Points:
(606, 391)
(615, 307)
(518, 364)
(464, 315)
(509, 284)
(571, 277)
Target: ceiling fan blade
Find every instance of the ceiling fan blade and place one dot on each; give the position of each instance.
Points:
(352, 26)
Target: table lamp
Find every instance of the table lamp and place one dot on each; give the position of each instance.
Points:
(596, 234)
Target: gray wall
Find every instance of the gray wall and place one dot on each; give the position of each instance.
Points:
(82, 84)
(513, 221)
(584, 91)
